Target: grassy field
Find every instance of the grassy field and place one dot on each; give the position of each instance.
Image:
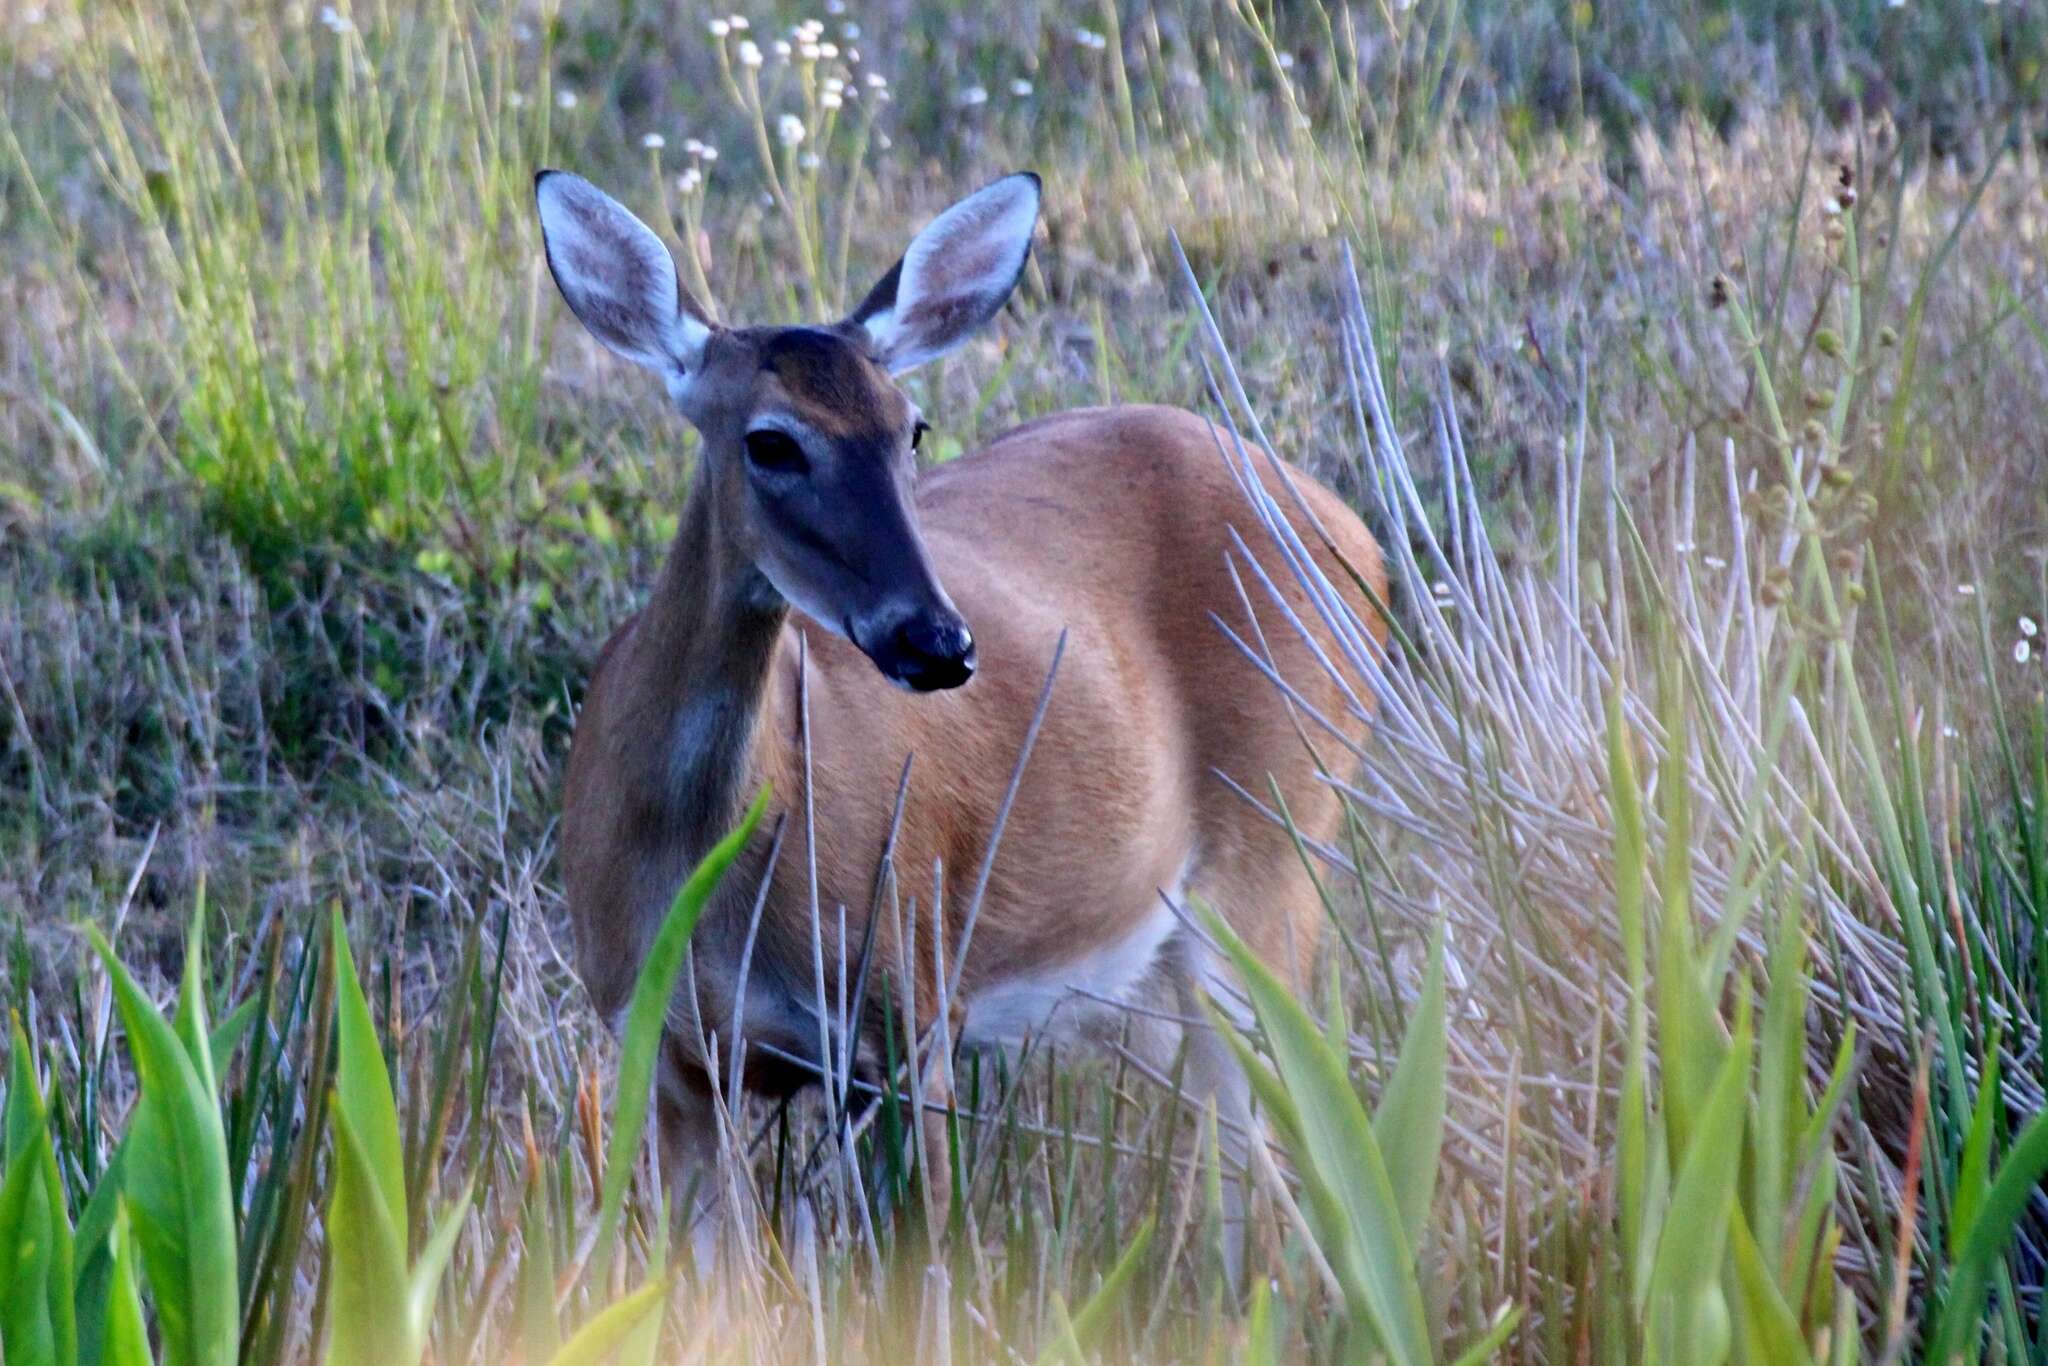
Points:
(1690, 964)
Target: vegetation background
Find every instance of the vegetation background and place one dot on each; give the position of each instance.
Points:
(1688, 358)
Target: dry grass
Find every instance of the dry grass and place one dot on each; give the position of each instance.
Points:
(308, 710)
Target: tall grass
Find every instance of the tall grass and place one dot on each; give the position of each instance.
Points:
(1689, 969)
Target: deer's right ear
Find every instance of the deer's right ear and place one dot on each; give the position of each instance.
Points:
(617, 277)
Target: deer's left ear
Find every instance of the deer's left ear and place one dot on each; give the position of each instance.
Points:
(955, 277)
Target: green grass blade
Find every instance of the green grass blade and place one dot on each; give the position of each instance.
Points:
(1974, 1178)
(1987, 1240)
(1768, 1326)
(368, 1320)
(1088, 1325)
(1409, 1123)
(363, 1084)
(647, 1016)
(600, 1337)
(1688, 1312)
(177, 1185)
(1337, 1140)
(424, 1284)
(35, 1232)
(190, 1021)
(126, 1339)
(27, 1332)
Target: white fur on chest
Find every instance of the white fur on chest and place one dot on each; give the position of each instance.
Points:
(1062, 1001)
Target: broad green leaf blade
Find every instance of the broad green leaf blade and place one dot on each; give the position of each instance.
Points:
(647, 1016)
(26, 1331)
(602, 1335)
(1688, 1313)
(93, 1255)
(176, 1185)
(126, 1340)
(1768, 1325)
(363, 1084)
(369, 1322)
(41, 1231)
(1337, 1140)
(1409, 1123)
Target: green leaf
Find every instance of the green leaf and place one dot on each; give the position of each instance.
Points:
(190, 1022)
(424, 1284)
(1088, 1325)
(1688, 1314)
(1768, 1325)
(1987, 1240)
(1409, 1123)
(1974, 1178)
(1496, 1335)
(647, 1016)
(228, 1035)
(36, 1311)
(1336, 1140)
(176, 1184)
(363, 1084)
(597, 1339)
(369, 1320)
(126, 1340)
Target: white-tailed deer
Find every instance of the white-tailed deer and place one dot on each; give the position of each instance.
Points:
(929, 604)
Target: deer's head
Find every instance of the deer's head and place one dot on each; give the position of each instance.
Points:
(808, 441)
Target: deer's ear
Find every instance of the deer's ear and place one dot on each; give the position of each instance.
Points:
(617, 277)
(955, 276)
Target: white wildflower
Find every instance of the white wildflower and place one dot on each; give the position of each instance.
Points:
(877, 81)
(1089, 38)
(809, 161)
(2022, 651)
(810, 52)
(653, 142)
(1966, 590)
(1287, 61)
(783, 49)
(750, 56)
(566, 99)
(692, 147)
(831, 99)
(720, 27)
(2029, 627)
(739, 23)
(790, 129)
(829, 51)
(1020, 87)
(974, 95)
(690, 181)
(335, 21)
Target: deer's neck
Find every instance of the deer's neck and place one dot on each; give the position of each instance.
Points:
(705, 652)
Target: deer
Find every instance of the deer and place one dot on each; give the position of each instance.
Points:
(872, 642)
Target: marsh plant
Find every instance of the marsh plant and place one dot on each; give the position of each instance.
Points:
(1688, 965)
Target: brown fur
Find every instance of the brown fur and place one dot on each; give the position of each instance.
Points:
(1109, 523)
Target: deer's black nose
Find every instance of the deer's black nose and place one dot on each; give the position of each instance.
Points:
(927, 651)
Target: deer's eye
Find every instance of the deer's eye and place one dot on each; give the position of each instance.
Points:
(775, 452)
(917, 433)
